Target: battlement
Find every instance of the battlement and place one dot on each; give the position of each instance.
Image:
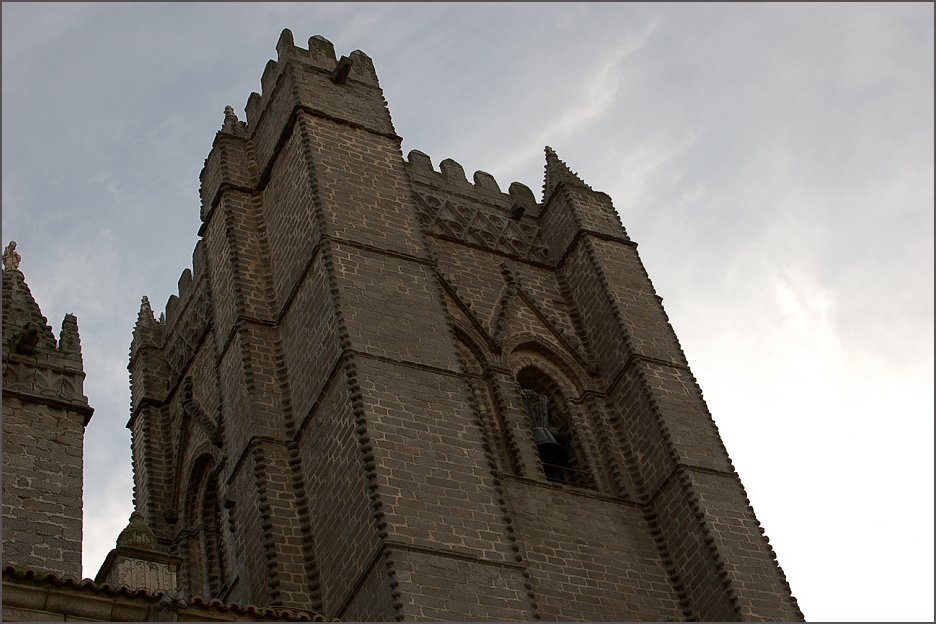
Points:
(451, 177)
(320, 55)
(186, 287)
(478, 214)
(345, 90)
(312, 80)
(175, 335)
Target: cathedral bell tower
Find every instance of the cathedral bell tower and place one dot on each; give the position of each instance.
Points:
(384, 392)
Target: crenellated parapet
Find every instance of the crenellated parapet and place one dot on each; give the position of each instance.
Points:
(309, 79)
(188, 318)
(476, 213)
(162, 355)
(319, 58)
(189, 289)
(318, 55)
(479, 214)
(162, 348)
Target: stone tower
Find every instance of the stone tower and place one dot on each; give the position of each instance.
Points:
(44, 417)
(385, 392)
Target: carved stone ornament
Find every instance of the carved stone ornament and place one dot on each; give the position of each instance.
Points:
(11, 259)
(137, 534)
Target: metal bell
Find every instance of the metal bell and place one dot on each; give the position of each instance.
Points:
(551, 452)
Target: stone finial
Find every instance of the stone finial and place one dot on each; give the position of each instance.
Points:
(11, 259)
(23, 322)
(558, 172)
(137, 534)
(232, 124)
(69, 340)
(146, 330)
(146, 311)
(145, 317)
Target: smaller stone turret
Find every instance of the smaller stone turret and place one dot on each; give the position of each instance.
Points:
(44, 417)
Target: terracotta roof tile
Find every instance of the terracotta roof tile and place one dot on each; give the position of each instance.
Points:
(14, 573)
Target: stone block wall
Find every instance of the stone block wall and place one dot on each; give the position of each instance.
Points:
(42, 486)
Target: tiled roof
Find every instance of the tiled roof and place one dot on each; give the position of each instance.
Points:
(17, 574)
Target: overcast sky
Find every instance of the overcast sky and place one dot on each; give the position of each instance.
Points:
(774, 162)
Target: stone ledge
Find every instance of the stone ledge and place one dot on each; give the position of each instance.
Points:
(68, 603)
(23, 596)
(15, 614)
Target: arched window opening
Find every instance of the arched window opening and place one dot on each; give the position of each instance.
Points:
(211, 540)
(205, 563)
(553, 431)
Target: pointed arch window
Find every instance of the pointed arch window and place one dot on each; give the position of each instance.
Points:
(206, 555)
(553, 430)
